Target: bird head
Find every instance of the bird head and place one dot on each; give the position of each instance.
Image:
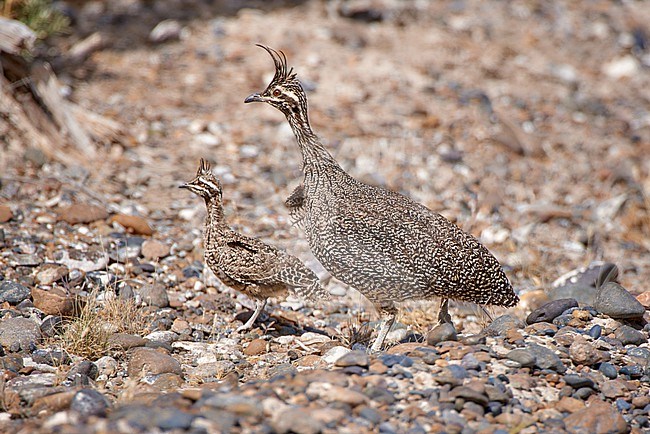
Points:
(284, 92)
(205, 184)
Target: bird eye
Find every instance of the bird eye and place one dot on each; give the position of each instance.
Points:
(276, 92)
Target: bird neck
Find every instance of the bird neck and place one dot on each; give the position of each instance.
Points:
(214, 219)
(314, 155)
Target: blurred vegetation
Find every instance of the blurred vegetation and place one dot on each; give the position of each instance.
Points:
(38, 15)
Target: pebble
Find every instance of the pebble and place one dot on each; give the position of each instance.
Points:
(353, 358)
(51, 357)
(584, 353)
(441, 333)
(19, 334)
(81, 373)
(256, 347)
(147, 361)
(596, 418)
(524, 357)
(53, 301)
(49, 273)
(630, 336)
(106, 366)
(551, 310)
(501, 325)
(133, 224)
(613, 388)
(608, 370)
(595, 331)
(89, 402)
(82, 213)
(644, 299)
(391, 360)
(335, 353)
(576, 381)
(5, 214)
(615, 301)
(13, 292)
(569, 404)
(154, 249)
(154, 295)
(546, 358)
(166, 30)
(296, 420)
(125, 341)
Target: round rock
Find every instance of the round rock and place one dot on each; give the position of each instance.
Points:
(353, 358)
(89, 402)
(13, 292)
(629, 335)
(154, 295)
(148, 361)
(19, 334)
(441, 333)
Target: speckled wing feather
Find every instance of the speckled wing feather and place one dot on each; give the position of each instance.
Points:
(392, 248)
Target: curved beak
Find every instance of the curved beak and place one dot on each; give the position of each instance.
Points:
(256, 97)
(186, 185)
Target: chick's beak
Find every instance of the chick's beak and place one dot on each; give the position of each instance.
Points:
(256, 97)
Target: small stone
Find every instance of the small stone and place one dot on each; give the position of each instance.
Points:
(81, 372)
(353, 358)
(551, 310)
(54, 402)
(584, 353)
(50, 357)
(51, 325)
(595, 331)
(524, 357)
(632, 371)
(296, 420)
(502, 324)
(335, 353)
(613, 388)
(615, 301)
(125, 341)
(153, 249)
(641, 401)
(82, 213)
(608, 370)
(154, 295)
(5, 214)
(89, 402)
(106, 365)
(583, 393)
(53, 302)
(370, 414)
(546, 358)
(19, 334)
(629, 336)
(569, 404)
(441, 333)
(256, 347)
(622, 405)
(469, 394)
(333, 393)
(181, 326)
(166, 30)
(644, 299)
(599, 417)
(147, 361)
(13, 292)
(391, 360)
(50, 273)
(576, 381)
(133, 224)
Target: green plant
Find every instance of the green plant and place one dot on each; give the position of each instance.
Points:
(39, 15)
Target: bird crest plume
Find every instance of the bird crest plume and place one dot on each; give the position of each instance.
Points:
(282, 72)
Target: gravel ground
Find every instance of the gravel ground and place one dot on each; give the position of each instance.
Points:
(527, 123)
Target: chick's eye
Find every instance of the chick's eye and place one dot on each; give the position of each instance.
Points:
(276, 92)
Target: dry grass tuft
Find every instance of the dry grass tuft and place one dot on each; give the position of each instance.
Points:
(87, 334)
(354, 331)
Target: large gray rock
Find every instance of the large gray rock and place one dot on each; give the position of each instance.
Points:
(615, 301)
(18, 334)
(13, 292)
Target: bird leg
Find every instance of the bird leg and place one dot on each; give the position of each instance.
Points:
(384, 328)
(259, 307)
(443, 313)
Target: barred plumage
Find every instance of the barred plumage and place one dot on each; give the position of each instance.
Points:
(382, 243)
(248, 264)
